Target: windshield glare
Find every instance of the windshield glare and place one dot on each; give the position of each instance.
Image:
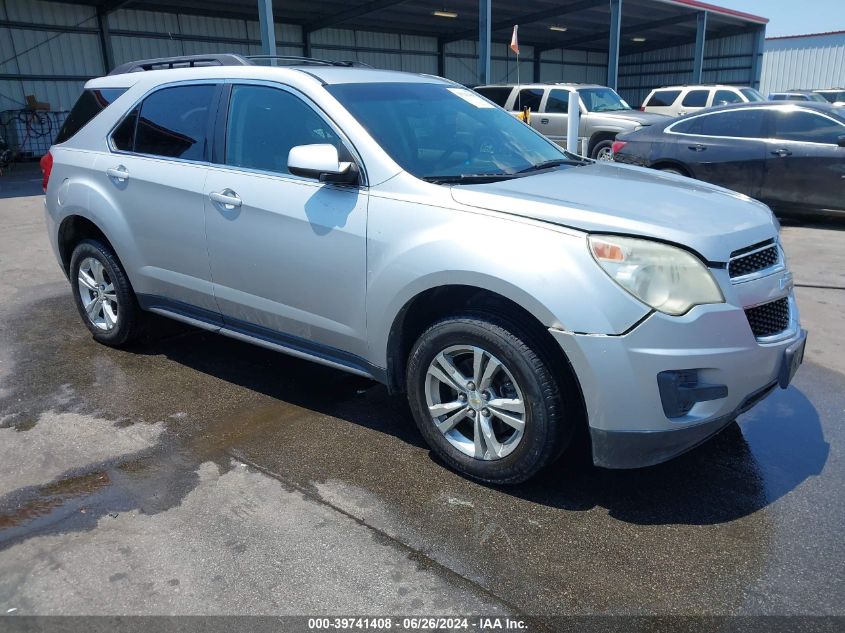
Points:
(434, 130)
(752, 95)
(602, 100)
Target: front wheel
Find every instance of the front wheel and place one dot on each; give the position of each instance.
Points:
(485, 401)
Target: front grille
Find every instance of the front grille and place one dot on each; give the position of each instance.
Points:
(770, 318)
(753, 262)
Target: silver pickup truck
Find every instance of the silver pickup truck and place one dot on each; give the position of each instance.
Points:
(604, 114)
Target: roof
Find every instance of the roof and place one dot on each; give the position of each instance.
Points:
(795, 37)
(586, 22)
(324, 74)
(827, 108)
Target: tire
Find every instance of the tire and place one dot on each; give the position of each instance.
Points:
(509, 457)
(672, 170)
(118, 319)
(603, 149)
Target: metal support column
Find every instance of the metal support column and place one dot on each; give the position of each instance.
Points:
(613, 48)
(757, 61)
(441, 57)
(306, 41)
(537, 68)
(700, 41)
(267, 27)
(105, 40)
(484, 35)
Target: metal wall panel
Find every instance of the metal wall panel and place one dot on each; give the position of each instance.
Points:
(148, 21)
(40, 12)
(804, 63)
(727, 60)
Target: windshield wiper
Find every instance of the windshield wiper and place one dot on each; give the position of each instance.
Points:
(466, 179)
(548, 164)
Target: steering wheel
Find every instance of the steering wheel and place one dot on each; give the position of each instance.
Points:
(450, 151)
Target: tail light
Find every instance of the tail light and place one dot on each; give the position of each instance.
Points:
(642, 108)
(617, 145)
(46, 167)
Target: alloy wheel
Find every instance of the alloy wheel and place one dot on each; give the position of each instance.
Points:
(98, 294)
(475, 402)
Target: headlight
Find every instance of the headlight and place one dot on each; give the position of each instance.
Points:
(665, 277)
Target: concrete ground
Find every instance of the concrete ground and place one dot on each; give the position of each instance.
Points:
(193, 474)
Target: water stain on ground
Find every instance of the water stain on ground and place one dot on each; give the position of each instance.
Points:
(566, 538)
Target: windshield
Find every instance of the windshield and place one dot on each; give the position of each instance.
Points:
(602, 100)
(814, 96)
(437, 130)
(752, 95)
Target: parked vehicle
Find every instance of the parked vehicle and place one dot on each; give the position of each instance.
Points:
(680, 100)
(788, 155)
(836, 96)
(603, 115)
(797, 95)
(403, 228)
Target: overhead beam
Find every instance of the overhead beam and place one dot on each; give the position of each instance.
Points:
(700, 41)
(528, 18)
(630, 31)
(350, 14)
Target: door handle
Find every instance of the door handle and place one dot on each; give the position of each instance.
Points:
(782, 153)
(227, 198)
(119, 173)
(698, 147)
(544, 121)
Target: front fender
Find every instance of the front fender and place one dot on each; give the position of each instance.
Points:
(543, 268)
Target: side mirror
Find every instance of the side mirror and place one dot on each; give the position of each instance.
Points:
(321, 162)
(841, 141)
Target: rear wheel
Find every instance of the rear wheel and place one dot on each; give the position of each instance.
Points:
(603, 150)
(672, 170)
(485, 401)
(103, 294)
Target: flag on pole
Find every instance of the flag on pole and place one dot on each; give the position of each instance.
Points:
(515, 40)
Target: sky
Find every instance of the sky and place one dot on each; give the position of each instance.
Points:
(793, 17)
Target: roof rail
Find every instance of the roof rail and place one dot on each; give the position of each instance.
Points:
(226, 59)
(294, 60)
(181, 61)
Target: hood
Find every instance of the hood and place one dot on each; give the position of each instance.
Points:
(611, 198)
(643, 118)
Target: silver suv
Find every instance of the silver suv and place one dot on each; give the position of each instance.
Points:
(603, 113)
(402, 227)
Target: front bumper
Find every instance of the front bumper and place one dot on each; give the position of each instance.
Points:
(618, 377)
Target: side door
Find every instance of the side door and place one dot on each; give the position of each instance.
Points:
(725, 148)
(693, 100)
(155, 174)
(804, 164)
(554, 119)
(288, 253)
(531, 98)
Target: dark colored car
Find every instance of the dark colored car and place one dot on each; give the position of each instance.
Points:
(789, 155)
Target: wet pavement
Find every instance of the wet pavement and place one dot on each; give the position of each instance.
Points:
(196, 474)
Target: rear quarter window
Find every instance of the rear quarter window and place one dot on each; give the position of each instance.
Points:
(663, 98)
(89, 105)
(499, 96)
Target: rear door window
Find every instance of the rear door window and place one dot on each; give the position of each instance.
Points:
(89, 105)
(499, 96)
(696, 99)
(663, 98)
(806, 127)
(529, 97)
(733, 124)
(173, 122)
